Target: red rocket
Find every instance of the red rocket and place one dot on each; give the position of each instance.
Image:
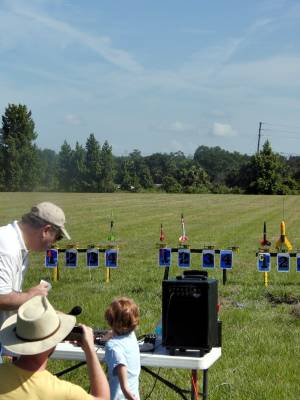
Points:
(162, 235)
(183, 238)
(265, 242)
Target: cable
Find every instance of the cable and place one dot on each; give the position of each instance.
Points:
(153, 387)
(283, 125)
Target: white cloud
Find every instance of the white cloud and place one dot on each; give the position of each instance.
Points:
(178, 126)
(175, 127)
(72, 119)
(223, 130)
(102, 45)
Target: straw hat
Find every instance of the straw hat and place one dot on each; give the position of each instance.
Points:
(36, 327)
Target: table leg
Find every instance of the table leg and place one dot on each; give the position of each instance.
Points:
(194, 383)
(205, 384)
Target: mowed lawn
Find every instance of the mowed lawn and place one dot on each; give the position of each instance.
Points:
(261, 340)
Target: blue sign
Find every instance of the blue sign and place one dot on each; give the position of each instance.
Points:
(283, 262)
(208, 259)
(184, 258)
(111, 258)
(164, 257)
(298, 262)
(51, 258)
(226, 259)
(264, 262)
(71, 258)
(92, 258)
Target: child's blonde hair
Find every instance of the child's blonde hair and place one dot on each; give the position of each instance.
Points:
(122, 315)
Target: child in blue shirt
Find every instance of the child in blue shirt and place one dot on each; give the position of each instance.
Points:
(122, 353)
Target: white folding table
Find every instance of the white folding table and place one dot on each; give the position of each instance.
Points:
(188, 359)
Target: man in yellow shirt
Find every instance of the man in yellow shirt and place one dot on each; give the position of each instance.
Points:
(32, 335)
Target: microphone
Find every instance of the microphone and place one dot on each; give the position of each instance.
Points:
(75, 311)
(76, 332)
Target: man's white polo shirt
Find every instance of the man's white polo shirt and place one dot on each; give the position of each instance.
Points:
(13, 262)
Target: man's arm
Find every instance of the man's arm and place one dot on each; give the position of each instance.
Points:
(98, 381)
(13, 300)
(122, 374)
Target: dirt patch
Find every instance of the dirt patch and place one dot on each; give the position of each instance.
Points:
(137, 290)
(283, 299)
(296, 310)
(227, 302)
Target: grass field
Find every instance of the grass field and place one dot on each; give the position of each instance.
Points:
(261, 340)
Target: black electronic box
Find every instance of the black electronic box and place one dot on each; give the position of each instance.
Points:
(190, 313)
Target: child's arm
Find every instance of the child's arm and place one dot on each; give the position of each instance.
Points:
(122, 374)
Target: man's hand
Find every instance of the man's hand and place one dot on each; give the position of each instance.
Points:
(98, 381)
(13, 300)
(40, 290)
(87, 339)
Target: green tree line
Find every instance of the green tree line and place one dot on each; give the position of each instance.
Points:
(94, 168)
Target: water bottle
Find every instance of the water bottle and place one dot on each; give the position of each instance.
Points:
(158, 331)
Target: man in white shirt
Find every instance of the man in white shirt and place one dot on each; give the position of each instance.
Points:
(36, 231)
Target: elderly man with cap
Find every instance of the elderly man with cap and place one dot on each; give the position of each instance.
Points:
(36, 231)
(32, 334)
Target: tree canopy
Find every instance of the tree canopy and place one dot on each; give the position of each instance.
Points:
(19, 154)
(92, 167)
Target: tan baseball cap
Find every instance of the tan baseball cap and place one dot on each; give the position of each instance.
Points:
(51, 213)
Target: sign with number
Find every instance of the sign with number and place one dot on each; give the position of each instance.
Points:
(264, 262)
(226, 259)
(71, 258)
(283, 262)
(164, 257)
(92, 258)
(184, 258)
(298, 262)
(208, 259)
(51, 258)
(111, 258)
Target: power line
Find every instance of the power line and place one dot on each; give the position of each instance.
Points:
(279, 131)
(288, 133)
(283, 125)
(286, 136)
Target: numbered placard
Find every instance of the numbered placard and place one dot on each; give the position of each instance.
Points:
(298, 262)
(111, 258)
(164, 257)
(208, 259)
(184, 258)
(264, 262)
(51, 258)
(71, 258)
(92, 258)
(283, 262)
(226, 259)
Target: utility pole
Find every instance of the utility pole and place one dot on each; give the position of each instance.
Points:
(259, 135)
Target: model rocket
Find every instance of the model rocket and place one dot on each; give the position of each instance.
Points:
(111, 236)
(265, 242)
(283, 240)
(183, 238)
(162, 235)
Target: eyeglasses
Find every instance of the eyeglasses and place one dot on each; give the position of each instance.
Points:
(58, 233)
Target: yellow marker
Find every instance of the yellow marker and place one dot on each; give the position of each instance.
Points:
(283, 241)
(266, 279)
(107, 275)
(55, 274)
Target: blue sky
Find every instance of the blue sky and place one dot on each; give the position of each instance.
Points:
(158, 76)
